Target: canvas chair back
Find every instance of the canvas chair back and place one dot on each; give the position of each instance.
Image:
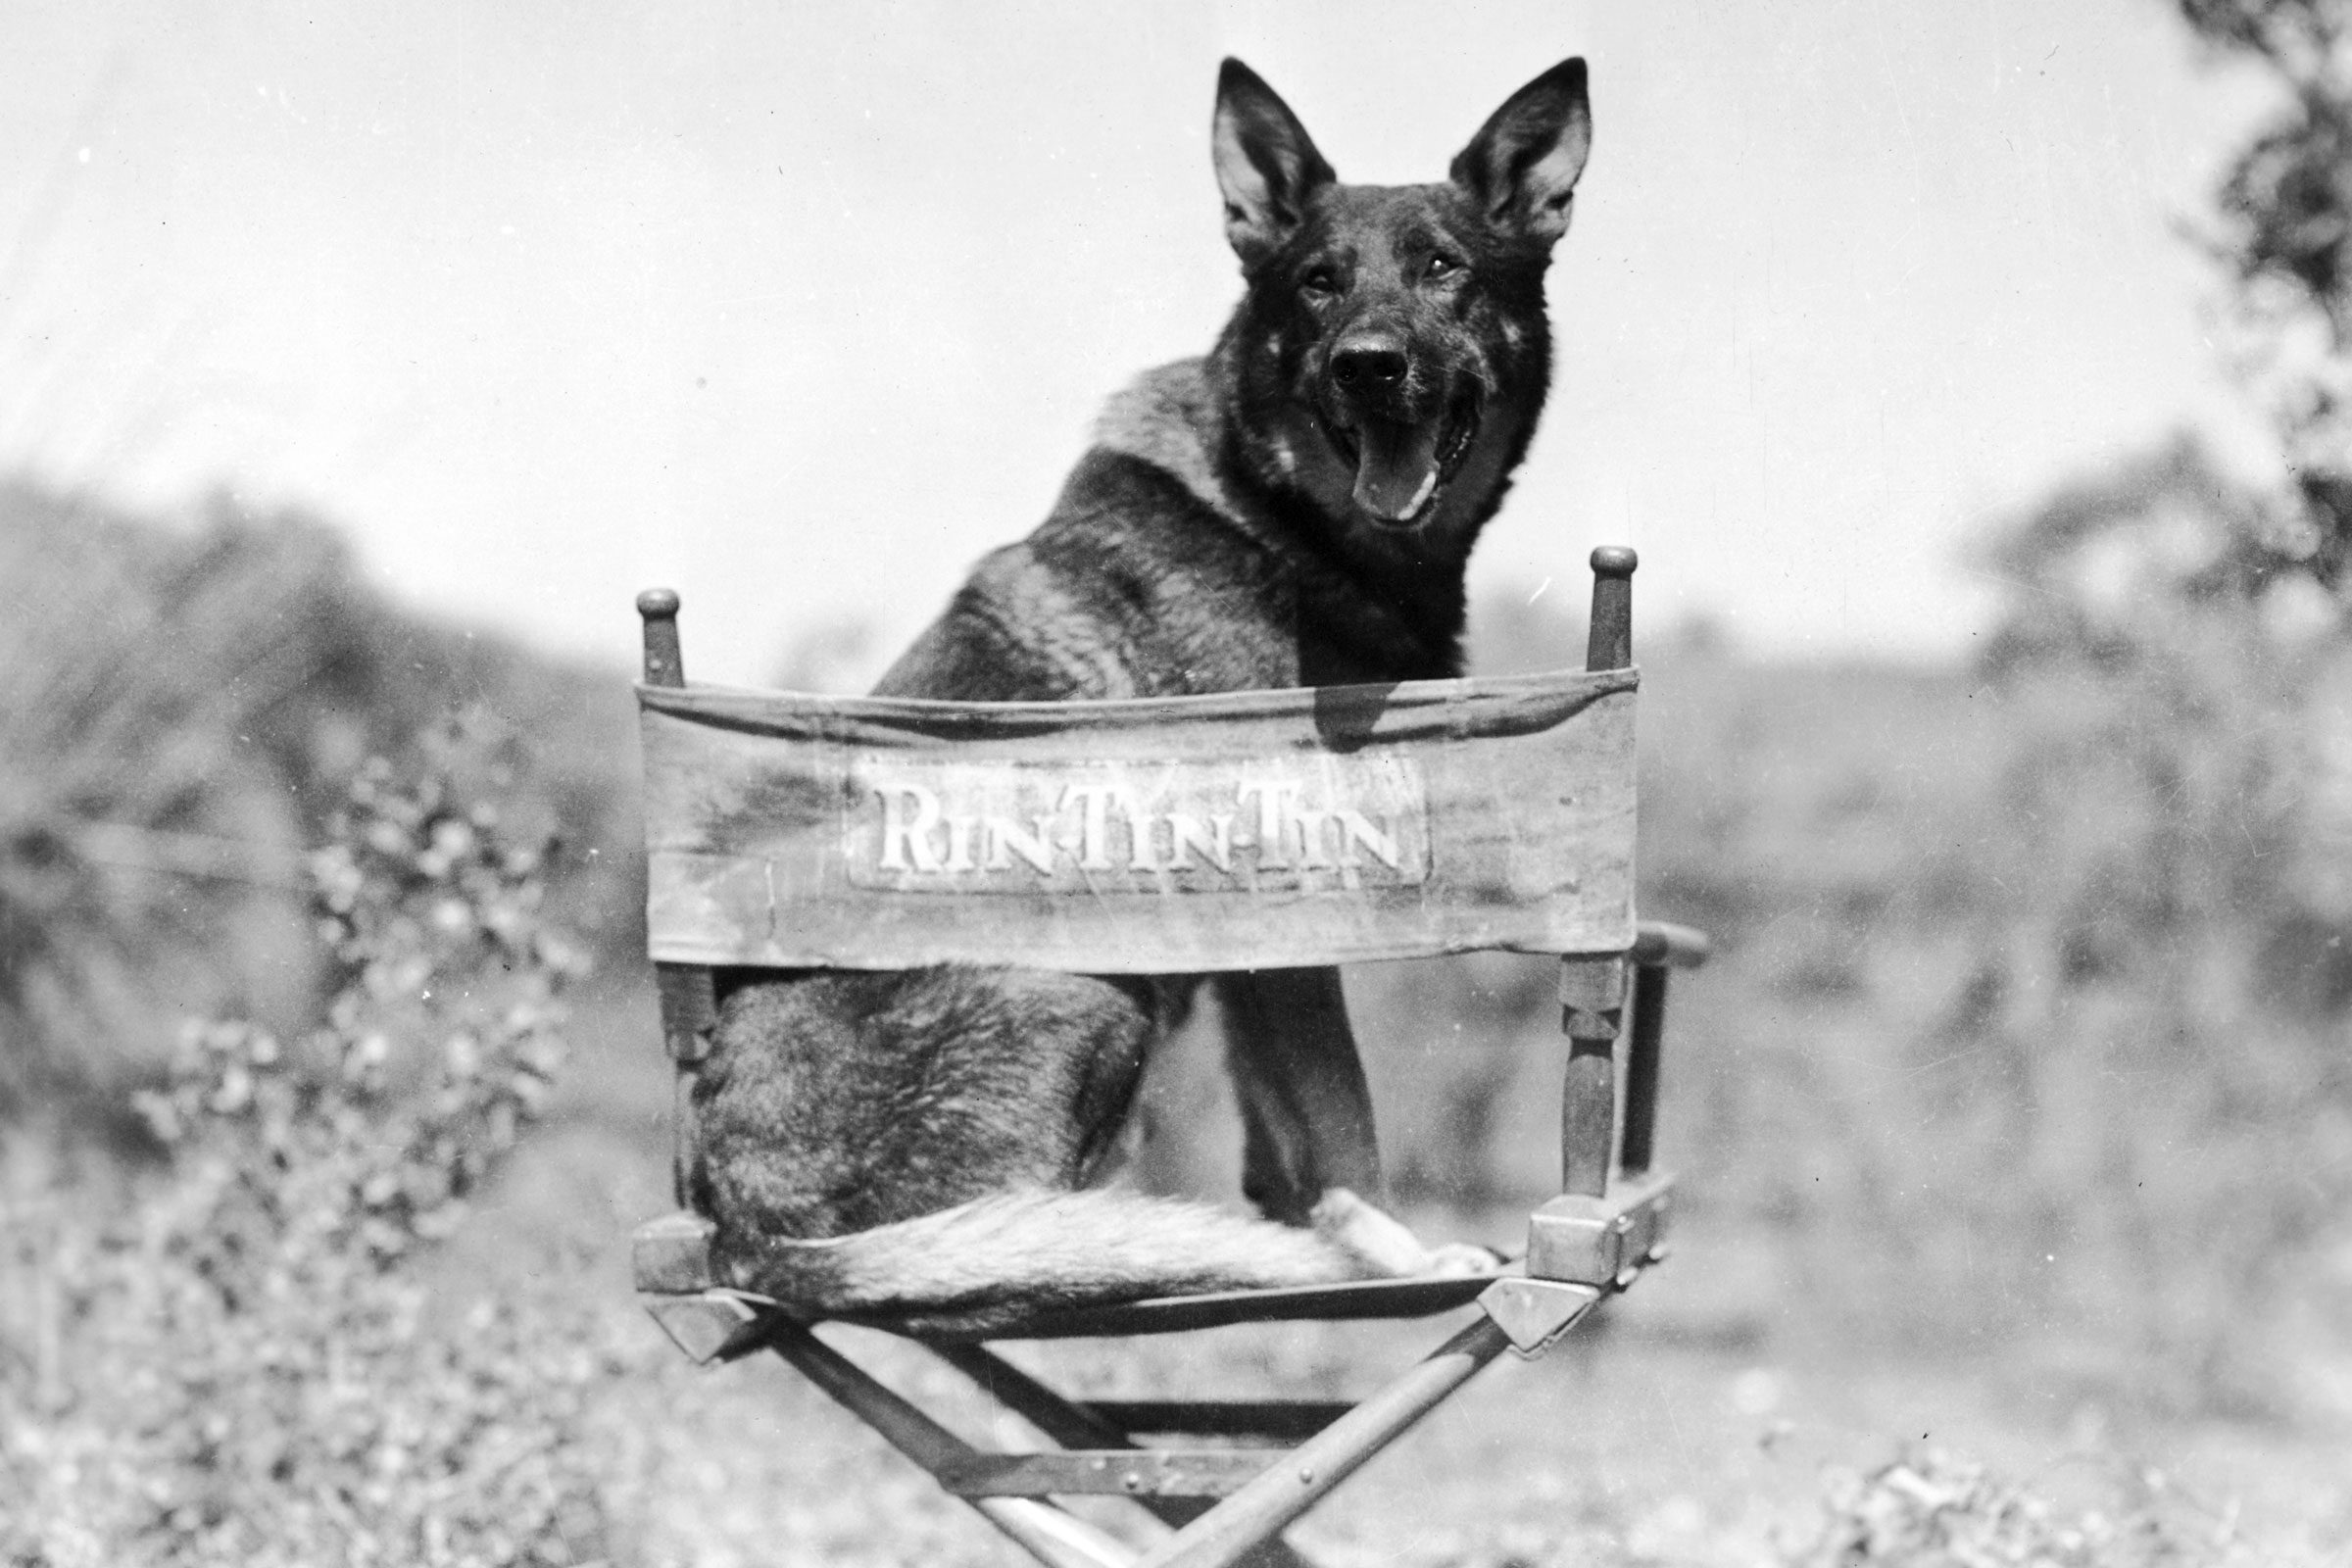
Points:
(1254, 830)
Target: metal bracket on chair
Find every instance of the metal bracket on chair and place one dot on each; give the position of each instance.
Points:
(707, 1325)
(1600, 1242)
(675, 1280)
(1534, 1314)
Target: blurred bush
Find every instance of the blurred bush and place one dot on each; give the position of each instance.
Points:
(179, 702)
(2281, 232)
(242, 1367)
(1944, 1510)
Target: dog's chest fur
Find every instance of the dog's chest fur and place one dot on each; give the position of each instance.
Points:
(1164, 570)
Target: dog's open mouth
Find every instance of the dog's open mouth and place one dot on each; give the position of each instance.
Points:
(1400, 467)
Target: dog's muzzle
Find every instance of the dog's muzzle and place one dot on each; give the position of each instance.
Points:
(1400, 462)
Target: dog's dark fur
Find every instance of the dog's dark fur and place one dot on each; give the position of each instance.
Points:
(1296, 509)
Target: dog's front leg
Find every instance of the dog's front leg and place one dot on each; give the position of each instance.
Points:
(1306, 1111)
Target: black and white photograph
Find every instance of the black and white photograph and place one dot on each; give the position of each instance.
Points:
(1222, 784)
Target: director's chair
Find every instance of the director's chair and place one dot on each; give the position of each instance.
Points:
(1254, 830)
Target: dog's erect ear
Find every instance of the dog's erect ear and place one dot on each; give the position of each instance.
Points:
(1522, 165)
(1266, 165)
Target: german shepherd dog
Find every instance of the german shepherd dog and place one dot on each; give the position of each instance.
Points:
(1295, 508)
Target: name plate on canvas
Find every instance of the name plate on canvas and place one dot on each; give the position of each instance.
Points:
(1301, 822)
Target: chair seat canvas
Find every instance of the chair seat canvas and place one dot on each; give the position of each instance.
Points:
(1251, 830)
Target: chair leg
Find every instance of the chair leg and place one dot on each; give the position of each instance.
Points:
(1225, 1534)
(1047, 1533)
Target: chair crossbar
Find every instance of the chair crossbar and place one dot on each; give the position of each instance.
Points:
(1284, 1420)
(1355, 1300)
(1113, 1472)
(1112, 1423)
(1080, 1426)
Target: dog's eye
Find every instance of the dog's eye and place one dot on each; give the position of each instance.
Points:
(1441, 266)
(1319, 283)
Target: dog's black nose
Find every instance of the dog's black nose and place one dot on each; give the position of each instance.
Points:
(1372, 366)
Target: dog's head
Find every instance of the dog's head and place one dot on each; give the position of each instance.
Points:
(1391, 353)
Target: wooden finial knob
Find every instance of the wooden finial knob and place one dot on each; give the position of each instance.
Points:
(665, 666)
(1611, 643)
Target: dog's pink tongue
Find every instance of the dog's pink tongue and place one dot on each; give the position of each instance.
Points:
(1396, 467)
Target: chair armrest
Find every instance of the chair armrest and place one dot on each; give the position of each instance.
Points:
(1658, 944)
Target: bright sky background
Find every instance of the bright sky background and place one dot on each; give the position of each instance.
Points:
(799, 307)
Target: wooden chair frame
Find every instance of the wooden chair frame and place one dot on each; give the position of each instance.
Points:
(1229, 1504)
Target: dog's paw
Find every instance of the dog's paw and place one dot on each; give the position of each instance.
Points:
(1376, 1239)
(1384, 1244)
(1462, 1260)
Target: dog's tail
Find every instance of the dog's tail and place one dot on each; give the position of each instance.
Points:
(994, 1263)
